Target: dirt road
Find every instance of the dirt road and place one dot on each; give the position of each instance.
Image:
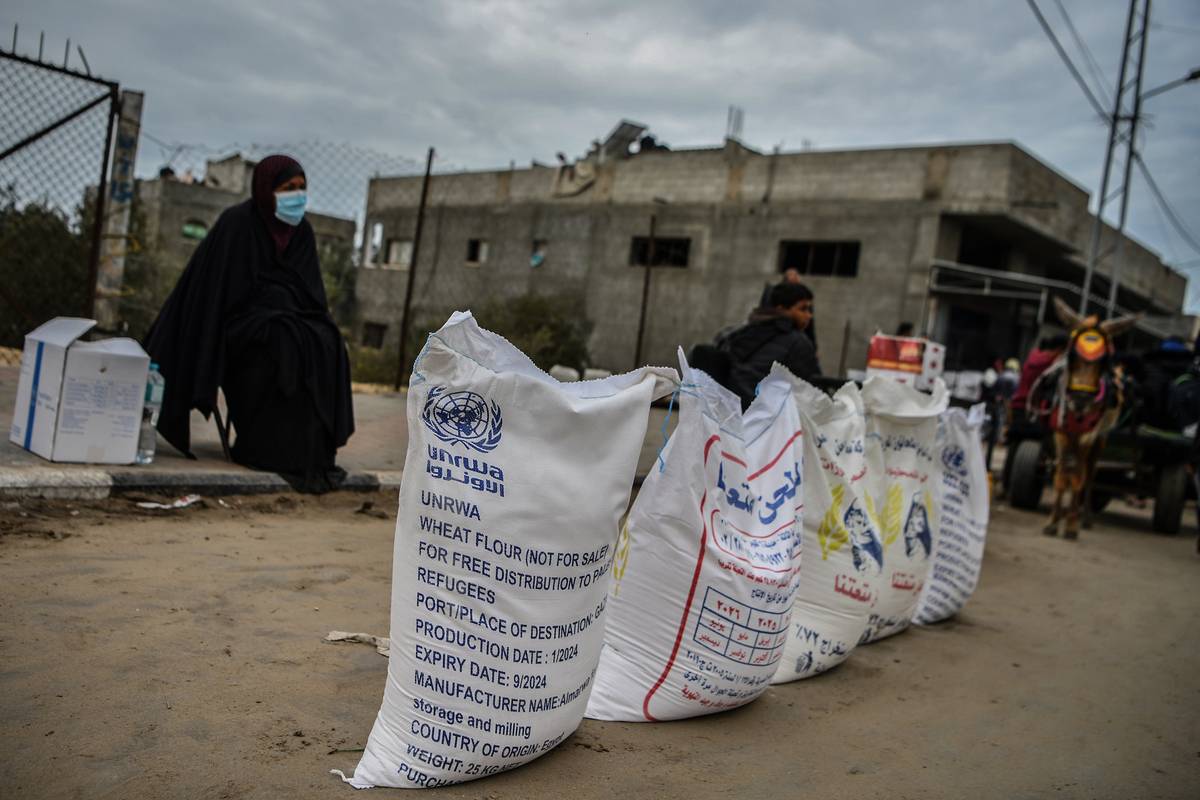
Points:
(179, 655)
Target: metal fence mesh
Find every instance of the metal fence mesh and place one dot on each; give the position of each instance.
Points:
(337, 172)
(45, 216)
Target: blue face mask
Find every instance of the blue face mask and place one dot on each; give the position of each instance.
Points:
(289, 206)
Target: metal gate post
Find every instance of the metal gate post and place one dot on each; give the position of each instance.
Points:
(98, 210)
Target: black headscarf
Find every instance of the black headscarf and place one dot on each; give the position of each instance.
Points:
(233, 281)
(269, 174)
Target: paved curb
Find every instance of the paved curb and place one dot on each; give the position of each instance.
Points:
(56, 484)
(97, 484)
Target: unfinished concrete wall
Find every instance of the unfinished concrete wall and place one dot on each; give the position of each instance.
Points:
(904, 206)
(734, 254)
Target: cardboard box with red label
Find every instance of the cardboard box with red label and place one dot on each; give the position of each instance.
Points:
(905, 359)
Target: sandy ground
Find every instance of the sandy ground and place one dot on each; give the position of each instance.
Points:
(179, 654)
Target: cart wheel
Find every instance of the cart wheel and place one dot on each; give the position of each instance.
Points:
(1168, 502)
(1028, 476)
(1006, 471)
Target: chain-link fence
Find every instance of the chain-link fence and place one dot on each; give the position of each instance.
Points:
(337, 172)
(196, 182)
(54, 143)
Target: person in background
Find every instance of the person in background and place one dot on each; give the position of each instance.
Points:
(775, 332)
(791, 275)
(1161, 367)
(1008, 379)
(249, 315)
(904, 329)
(1020, 426)
(1048, 350)
(1002, 387)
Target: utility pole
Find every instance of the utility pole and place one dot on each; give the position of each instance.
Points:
(1114, 125)
(1130, 152)
(637, 350)
(412, 271)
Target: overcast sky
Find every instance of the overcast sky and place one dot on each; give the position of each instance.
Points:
(486, 83)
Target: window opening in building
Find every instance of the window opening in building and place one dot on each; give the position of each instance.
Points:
(477, 251)
(399, 253)
(194, 229)
(830, 259)
(374, 245)
(372, 334)
(537, 253)
(980, 249)
(668, 251)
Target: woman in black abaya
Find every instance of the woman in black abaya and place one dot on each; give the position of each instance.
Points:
(249, 315)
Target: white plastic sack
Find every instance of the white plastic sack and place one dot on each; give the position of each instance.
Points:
(962, 524)
(902, 476)
(698, 612)
(513, 488)
(842, 572)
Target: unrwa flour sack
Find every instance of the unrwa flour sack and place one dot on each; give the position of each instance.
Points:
(842, 572)
(698, 611)
(513, 489)
(901, 478)
(962, 522)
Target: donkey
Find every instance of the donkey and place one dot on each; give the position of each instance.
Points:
(1081, 394)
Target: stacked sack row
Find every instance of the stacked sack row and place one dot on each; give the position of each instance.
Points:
(764, 547)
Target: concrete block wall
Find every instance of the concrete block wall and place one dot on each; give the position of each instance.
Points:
(893, 201)
(734, 253)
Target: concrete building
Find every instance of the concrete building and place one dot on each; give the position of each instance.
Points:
(178, 213)
(967, 241)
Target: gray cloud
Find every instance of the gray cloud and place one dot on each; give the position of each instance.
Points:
(521, 79)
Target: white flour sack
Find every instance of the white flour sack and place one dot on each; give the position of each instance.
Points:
(962, 524)
(902, 476)
(842, 572)
(514, 486)
(698, 612)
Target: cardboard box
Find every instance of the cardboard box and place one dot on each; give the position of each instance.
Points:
(79, 401)
(905, 359)
(969, 386)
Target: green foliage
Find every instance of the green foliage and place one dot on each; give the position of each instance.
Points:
(338, 273)
(370, 365)
(43, 266)
(550, 329)
(373, 365)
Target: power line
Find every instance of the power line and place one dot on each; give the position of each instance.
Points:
(1176, 222)
(1160, 221)
(1066, 59)
(1088, 59)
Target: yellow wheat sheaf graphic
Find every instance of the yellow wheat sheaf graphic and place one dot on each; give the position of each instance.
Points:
(931, 511)
(831, 533)
(872, 517)
(620, 557)
(891, 518)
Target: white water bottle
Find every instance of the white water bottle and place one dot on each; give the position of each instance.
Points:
(147, 436)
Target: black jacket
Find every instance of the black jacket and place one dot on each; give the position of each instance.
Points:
(755, 346)
(255, 323)
(1160, 370)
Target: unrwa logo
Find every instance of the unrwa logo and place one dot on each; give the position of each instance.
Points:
(463, 418)
(954, 459)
